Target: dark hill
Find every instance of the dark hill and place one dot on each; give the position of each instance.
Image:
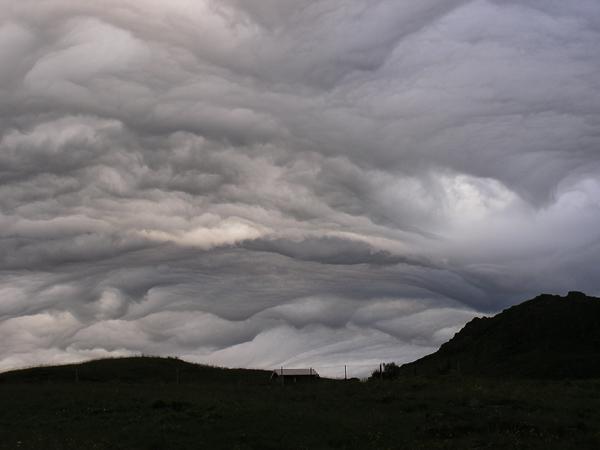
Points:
(134, 370)
(547, 337)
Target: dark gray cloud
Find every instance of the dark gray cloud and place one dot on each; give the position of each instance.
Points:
(289, 182)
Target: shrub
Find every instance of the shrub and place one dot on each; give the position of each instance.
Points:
(390, 371)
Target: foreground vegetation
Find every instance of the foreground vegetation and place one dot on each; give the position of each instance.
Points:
(216, 408)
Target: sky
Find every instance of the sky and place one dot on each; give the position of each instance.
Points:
(266, 183)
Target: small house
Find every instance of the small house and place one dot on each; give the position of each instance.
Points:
(294, 375)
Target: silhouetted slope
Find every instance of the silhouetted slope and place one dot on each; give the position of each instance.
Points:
(547, 337)
(135, 370)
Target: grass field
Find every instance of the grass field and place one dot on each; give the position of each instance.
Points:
(216, 408)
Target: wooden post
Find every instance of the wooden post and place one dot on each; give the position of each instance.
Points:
(345, 373)
(380, 371)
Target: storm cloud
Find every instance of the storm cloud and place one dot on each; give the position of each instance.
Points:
(262, 183)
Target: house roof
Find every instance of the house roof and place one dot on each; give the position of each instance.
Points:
(295, 372)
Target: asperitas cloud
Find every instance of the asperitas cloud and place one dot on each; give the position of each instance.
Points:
(262, 183)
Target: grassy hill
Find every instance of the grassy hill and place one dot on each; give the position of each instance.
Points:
(547, 337)
(135, 370)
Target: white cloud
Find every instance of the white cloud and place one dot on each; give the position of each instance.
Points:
(225, 232)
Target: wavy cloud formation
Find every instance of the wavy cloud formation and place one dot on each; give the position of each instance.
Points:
(258, 183)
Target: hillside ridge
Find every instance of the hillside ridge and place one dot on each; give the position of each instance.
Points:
(549, 336)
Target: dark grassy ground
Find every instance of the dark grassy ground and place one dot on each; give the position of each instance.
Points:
(241, 410)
